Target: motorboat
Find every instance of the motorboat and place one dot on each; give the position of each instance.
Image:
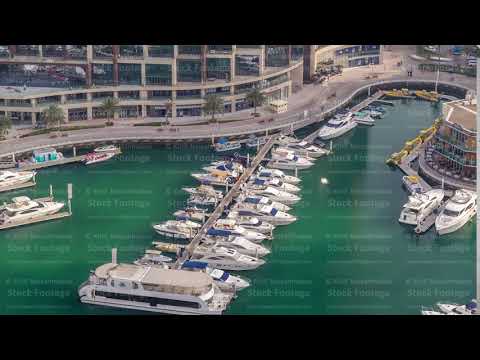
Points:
(228, 165)
(204, 190)
(94, 157)
(216, 179)
(459, 209)
(363, 118)
(192, 213)
(285, 140)
(227, 227)
(252, 198)
(251, 222)
(264, 173)
(225, 258)
(290, 162)
(10, 178)
(265, 213)
(224, 280)
(412, 184)
(177, 229)
(274, 194)
(23, 208)
(337, 127)
(254, 141)
(430, 311)
(278, 184)
(202, 200)
(153, 257)
(303, 148)
(228, 168)
(239, 243)
(420, 206)
(224, 145)
(153, 288)
(106, 148)
(283, 152)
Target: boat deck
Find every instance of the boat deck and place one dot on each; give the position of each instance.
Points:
(60, 215)
(17, 187)
(426, 224)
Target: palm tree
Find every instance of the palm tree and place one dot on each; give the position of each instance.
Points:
(213, 105)
(256, 97)
(5, 124)
(110, 107)
(168, 110)
(54, 116)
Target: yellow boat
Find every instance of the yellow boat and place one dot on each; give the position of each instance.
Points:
(427, 95)
(397, 93)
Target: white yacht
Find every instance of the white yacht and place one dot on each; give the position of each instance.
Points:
(226, 168)
(239, 243)
(192, 213)
(227, 146)
(337, 127)
(153, 288)
(264, 173)
(279, 153)
(225, 258)
(254, 141)
(258, 199)
(10, 178)
(251, 222)
(216, 179)
(305, 149)
(290, 162)
(177, 229)
(264, 212)
(255, 183)
(224, 280)
(23, 208)
(96, 157)
(420, 206)
(285, 140)
(363, 118)
(225, 165)
(412, 184)
(106, 148)
(429, 311)
(204, 190)
(275, 194)
(459, 209)
(227, 227)
(202, 200)
(152, 257)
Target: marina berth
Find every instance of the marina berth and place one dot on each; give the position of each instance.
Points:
(275, 182)
(216, 179)
(459, 209)
(12, 178)
(23, 208)
(251, 223)
(192, 213)
(284, 140)
(265, 213)
(225, 258)
(224, 145)
(224, 280)
(226, 167)
(420, 206)
(202, 200)
(303, 148)
(204, 190)
(152, 257)
(363, 118)
(107, 148)
(177, 229)
(239, 243)
(337, 127)
(290, 162)
(252, 198)
(227, 227)
(274, 194)
(254, 142)
(265, 173)
(152, 288)
(283, 152)
(95, 157)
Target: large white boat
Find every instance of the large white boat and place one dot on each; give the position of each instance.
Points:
(305, 149)
(284, 152)
(420, 206)
(265, 213)
(412, 184)
(153, 288)
(256, 183)
(23, 208)
(363, 118)
(337, 127)
(204, 190)
(224, 145)
(94, 157)
(216, 179)
(10, 178)
(459, 209)
(251, 223)
(290, 162)
(202, 200)
(224, 280)
(285, 140)
(227, 227)
(226, 259)
(254, 141)
(227, 167)
(177, 229)
(106, 148)
(274, 194)
(239, 243)
(252, 198)
(152, 257)
(192, 213)
(264, 173)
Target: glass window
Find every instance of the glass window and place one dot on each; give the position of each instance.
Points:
(275, 80)
(218, 68)
(28, 50)
(244, 88)
(129, 94)
(129, 111)
(190, 49)
(156, 111)
(249, 46)
(165, 51)
(64, 76)
(4, 51)
(189, 70)
(102, 74)
(135, 51)
(159, 94)
(277, 55)
(297, 52)
(129, 74)
(247, 65)
(190, 111)
(77, 114)
(158, 74)
(54, 51)
(225, 90)
(102, 51)
(224, 49)
(189, 94)
(102, 95)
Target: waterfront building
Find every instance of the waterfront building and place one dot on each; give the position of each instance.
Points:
(451, 153)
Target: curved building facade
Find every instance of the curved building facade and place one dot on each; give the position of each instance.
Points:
(144, 78)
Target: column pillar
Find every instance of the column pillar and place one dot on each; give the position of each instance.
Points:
(145, 51)
(174, 71)
(88, 74)
(204, 63)
(34, 118)
(115, 52)
(289, 54)
(115, 96)
(65, 115)
(143, 73)
(144, 111)
(12, 49)
(262, 60)
(40, 50)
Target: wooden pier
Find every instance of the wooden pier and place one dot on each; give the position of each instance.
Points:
(234, 191)
(17, 187)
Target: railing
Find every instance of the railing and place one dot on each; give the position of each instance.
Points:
(460, 145)
(458, 159)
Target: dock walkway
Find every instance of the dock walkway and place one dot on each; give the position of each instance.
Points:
(234, 191)
(18, 186)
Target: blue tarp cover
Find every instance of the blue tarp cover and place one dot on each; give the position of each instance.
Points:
(259, 182)
(218, 232)
(189, 264)
(252, 200)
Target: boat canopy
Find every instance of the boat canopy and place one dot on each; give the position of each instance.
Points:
(218, 232)
(222, 140)
(259, 182)
(252, 200)
(189, 264)
(471, 305)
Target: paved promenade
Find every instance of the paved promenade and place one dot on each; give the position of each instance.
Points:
(316, 99)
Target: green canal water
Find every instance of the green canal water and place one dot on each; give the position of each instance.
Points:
(347, 253)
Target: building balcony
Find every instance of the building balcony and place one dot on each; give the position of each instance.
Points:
(454, 157)
(457, 144)
(363, 53)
